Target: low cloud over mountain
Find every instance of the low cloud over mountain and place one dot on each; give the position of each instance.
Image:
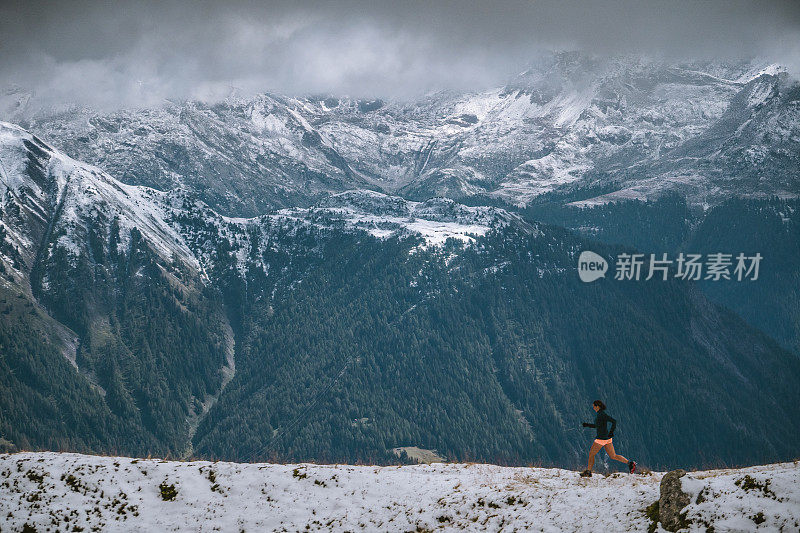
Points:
(140, 53)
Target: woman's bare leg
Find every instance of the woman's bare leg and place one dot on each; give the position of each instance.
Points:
(611, 453)
(592, 452)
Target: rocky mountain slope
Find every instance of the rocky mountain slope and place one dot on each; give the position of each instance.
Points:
(68, 491)
(94, 256)
(601, 128)
(361, 324)
(107, 279)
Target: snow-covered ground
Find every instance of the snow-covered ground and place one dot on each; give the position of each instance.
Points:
(66, 492)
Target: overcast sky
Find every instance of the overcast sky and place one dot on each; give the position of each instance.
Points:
(138, 53)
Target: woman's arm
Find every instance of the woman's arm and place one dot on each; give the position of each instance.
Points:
(613, 426)
(588, 425)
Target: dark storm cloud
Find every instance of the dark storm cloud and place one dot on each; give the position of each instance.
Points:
(142, 52)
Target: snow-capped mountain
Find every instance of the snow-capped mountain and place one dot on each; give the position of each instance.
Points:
(49, 199)
(51, 202)
(635, 127)
(302, 278)
(78, 249)
(161, 299)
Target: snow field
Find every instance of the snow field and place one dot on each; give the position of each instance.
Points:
(65, 491)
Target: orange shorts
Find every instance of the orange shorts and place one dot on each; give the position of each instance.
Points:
(602, 442)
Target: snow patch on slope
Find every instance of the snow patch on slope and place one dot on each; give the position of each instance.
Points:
(435, 220)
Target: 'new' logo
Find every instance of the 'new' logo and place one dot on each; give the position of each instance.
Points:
(591, 266)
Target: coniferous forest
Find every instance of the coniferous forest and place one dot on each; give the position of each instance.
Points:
(356, 345)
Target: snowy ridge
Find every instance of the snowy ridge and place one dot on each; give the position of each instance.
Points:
(72, 196)
(69, 491)
(133, 206)
(19, 243)
(571, 121)
(382, 216)
(69, 200)
(436, 220)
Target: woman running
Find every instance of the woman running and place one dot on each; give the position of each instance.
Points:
(603, 439)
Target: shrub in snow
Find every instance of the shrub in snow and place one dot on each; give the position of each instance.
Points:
(168, 492)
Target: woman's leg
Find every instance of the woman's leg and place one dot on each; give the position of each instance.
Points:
(611, 453)
(592, 452)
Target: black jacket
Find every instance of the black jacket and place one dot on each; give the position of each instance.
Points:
(601, 423)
